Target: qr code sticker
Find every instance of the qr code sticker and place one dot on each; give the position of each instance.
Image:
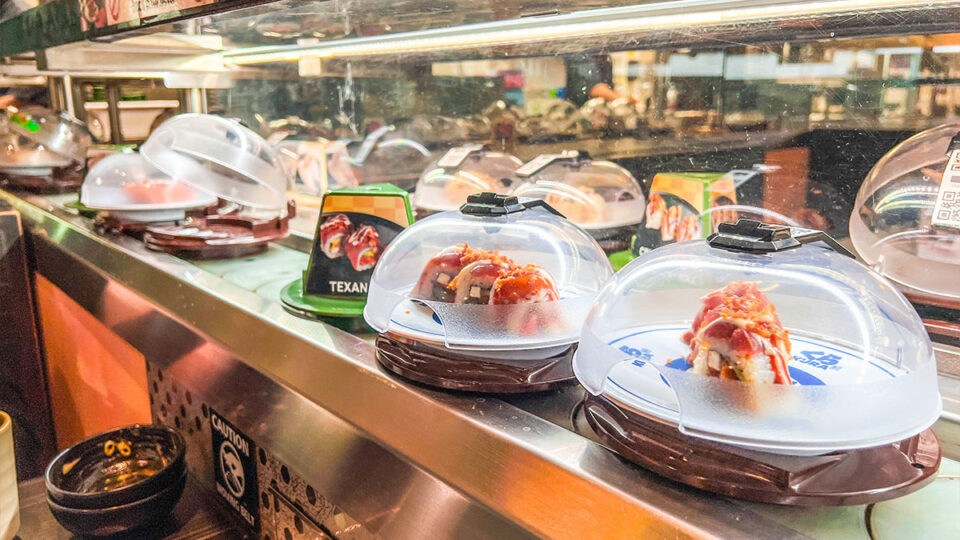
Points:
(947, 211)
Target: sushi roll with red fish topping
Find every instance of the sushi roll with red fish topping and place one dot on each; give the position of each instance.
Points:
(738, 335)
(363, 248)
(529, 284)
(524, 285)
(333, 232)
(671, 222)
(656, 210)
(434, 282)
(481, 270)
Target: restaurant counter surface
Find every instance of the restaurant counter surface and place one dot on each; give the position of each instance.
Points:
(523, 436)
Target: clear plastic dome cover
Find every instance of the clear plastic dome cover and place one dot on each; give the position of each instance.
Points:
(593, 194)
(23, 156)
(55, 132)
(384, 157)
(463, 171)
(518, 281)
(893, 226)
(804, 351)
(219, 156)
(126, 181)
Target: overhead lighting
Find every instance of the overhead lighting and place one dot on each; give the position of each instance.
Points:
(623, 21)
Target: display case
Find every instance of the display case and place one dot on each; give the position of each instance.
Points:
(647, 124)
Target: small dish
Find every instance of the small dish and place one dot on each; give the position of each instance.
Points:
(117, 467)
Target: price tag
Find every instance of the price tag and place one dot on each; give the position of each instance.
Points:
(455, 156)
(536, 164)
(356, 225)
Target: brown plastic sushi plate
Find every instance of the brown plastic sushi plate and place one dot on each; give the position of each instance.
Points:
(63, 180)
(436, 366)
(853, 477)
(218, 236)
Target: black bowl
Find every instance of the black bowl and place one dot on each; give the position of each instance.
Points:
(119, 519)
(95, 473)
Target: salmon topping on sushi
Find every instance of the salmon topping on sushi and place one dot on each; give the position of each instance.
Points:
(463, 275)
(524, 285)
(738, 335)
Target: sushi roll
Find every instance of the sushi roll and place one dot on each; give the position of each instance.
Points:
(529, 284)
(434, 282)
(333, 232)
(656, 209)
(671, 223)
(363, 248)
(738, 335)
(524, 285)
(475, 281)
(689, 229)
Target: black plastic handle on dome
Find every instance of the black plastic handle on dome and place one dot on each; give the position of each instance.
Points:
(494, 204)
(751, 236)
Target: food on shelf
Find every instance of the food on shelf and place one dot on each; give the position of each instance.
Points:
(528, 284)
(737, 335)
(656, 209)
(581, 204)
(462, 275)
(363, 248)
(333, 232)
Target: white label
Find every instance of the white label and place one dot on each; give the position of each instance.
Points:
(946, 212)
(455, 156)
(531, 167)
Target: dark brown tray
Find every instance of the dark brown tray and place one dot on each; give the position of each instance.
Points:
(446, 369)
(862, 476)
(63, 180)
(218, 236)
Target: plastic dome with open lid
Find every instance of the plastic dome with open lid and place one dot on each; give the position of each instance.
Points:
(128, 188)
(222, 157)
(906, 219)
(772, 346)
(600, 196)
(462, 171)
(488, 298)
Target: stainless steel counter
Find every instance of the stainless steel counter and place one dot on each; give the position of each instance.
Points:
(403, 460)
